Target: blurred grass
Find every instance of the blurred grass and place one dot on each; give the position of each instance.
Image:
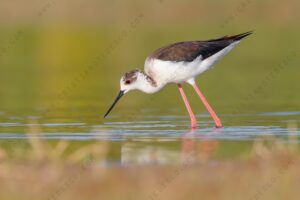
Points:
(47, 171)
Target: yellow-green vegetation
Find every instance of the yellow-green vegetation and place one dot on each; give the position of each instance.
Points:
(47, 170)
(44, 171)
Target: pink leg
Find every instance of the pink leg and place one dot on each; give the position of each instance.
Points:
(188, 107)
(209, 109)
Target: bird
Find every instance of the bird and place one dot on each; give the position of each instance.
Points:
(179, 63)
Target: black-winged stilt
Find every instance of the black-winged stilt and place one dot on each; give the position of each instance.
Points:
(179, 63)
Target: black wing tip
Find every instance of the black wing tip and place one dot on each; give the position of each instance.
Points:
(240, 36)
(234, 38)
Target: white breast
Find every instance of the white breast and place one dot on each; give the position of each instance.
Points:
(164, 72)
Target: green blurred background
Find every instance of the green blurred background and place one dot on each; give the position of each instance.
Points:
(64, 59)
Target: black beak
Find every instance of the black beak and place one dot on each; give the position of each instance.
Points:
(115, 102)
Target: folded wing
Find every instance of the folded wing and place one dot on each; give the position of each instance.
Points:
(188, 51)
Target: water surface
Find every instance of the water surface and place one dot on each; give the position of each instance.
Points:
(157, 139)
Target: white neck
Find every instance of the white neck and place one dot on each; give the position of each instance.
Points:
(147, 84)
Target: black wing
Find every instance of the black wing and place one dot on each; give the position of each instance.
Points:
(188, 51)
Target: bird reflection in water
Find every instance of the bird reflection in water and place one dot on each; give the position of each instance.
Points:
(190, 148)
(198, 148)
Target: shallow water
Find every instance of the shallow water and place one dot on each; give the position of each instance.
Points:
(279, 124)
(151, 139)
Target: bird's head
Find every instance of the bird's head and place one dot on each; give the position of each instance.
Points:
(130, 81)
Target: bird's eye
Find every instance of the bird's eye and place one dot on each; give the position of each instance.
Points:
(127, 82)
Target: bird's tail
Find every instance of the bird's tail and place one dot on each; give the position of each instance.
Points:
(233, 38)
(239, 36)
